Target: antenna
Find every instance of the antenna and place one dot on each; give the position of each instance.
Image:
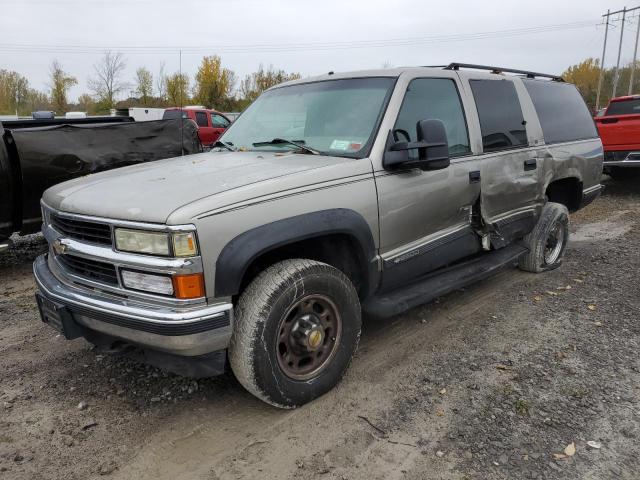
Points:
(181, 102)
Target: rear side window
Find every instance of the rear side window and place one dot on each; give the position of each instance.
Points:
(501, 119)
(564, 117)
(625, 107)
(433, 98)
(201, 119)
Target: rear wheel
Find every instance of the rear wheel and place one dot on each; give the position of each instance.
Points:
(548, 240)
(296, 328)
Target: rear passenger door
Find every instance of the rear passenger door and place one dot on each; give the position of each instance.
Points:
(511, 193)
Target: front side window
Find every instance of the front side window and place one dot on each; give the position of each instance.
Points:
(201, 119)
(335, 117)
(501, 121)
(433, 98)
(563, 115)
(218, 121)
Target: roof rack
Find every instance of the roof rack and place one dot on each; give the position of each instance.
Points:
(498, 70)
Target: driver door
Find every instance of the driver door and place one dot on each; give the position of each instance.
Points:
(425, 216)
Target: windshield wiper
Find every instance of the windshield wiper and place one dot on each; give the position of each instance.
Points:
(228, 146)
(283, 141)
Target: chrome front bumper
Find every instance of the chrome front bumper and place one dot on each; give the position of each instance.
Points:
(180, 330)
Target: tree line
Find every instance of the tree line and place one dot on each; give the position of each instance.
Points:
(213, 85)
(586, 75)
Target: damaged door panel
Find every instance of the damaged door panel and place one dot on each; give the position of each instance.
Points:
(511, 167)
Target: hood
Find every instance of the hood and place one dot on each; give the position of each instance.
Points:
(150, 192)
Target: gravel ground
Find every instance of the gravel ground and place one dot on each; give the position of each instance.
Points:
(520, 376)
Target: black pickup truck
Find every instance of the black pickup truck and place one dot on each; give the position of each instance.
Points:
(36, 154)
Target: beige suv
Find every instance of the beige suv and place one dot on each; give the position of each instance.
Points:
(368, 192)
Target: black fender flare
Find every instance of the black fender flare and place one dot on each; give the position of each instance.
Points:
(240, 252)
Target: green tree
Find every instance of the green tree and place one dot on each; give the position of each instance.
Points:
(257, 82)
(17, 97)
(107, 83)
(59, 82)
(214, 84)
(144, 85)
(177, 89)
(86, 103)
(585, 76)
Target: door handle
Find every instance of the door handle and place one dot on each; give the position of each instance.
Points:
(530, 164)
(474, 177)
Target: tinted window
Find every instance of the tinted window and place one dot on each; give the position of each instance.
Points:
(173, 114)
(219, 121)
(433, 98)
(563, 115)
(501, 119)
(625, 107)
(201, 119)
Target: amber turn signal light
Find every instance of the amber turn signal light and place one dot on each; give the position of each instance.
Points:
(189, 286)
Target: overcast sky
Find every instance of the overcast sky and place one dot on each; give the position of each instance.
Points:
(309, 37)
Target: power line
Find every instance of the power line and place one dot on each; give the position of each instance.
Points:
(288, 47)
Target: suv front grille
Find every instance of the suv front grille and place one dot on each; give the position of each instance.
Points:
(92, 232)
(89, 269)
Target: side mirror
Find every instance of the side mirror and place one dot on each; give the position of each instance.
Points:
(432, 146)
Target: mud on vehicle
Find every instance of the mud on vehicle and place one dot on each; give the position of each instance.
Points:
(330, 199)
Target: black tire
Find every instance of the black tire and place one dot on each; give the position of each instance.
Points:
(553, 221)
(264, 310)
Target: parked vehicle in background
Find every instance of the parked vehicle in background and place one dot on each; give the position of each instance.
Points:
(36, 154)
(211, 124)
(43, 115)
(139, 114)
(232, 115)
(74, 115)
(370, 191)
(619, 129)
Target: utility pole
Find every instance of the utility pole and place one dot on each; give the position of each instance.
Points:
(616, 74)
(635, 56)
(604, 49)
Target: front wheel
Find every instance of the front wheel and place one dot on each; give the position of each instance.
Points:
(548, 239)
(297, 326)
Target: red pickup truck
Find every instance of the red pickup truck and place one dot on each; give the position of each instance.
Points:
(619, 130)
(211, 124)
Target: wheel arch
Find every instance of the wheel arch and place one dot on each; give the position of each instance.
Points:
(331, 236)
(566, 190)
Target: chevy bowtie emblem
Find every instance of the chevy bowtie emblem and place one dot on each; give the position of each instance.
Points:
(59, 247)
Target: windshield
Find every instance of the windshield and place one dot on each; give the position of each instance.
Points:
(335, 117)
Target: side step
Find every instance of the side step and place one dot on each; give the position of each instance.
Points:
(439, 283)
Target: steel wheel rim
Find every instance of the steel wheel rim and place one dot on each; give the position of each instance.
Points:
(308, 336)
(554, 244)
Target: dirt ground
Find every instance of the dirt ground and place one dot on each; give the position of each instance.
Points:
(496, 381)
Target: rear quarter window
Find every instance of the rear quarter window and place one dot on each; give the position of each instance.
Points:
(624, 107)
(563, 115)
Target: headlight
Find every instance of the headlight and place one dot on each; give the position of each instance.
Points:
(153, 243)
(147, 282)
